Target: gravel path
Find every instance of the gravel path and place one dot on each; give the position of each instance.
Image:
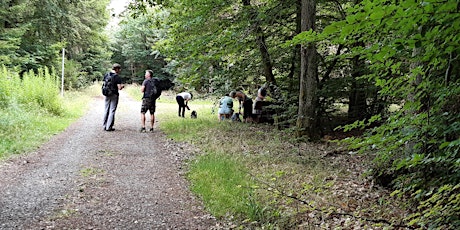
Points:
(86, 178)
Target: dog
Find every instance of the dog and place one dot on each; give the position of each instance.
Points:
(236, 117)
(193, 115)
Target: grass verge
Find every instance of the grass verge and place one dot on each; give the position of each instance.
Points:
(260, 177)
(23, 128)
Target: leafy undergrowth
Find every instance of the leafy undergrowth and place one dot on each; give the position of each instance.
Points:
(25, 127)
(282, 184)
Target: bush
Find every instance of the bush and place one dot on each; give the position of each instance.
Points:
(9, 84)
(41, 90)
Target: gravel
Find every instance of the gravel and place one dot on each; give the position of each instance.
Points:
(86, 178)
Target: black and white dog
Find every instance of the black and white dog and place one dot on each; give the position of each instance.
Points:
(193, 115)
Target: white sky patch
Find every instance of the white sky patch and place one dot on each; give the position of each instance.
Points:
(116, 7)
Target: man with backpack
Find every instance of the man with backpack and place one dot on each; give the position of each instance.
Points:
(151, 92)
(110, 87)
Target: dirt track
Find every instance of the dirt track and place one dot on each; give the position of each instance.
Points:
(86, 178)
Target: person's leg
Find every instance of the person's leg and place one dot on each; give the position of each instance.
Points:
(143, 111)
(180, 101)
(247, 114)
(152, 114)
(152, 121)
(183, 111)
(113, 109)
(142, 119)
(106, 112)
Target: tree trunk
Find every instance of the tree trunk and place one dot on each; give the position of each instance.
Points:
(410, 145)
(357, 106)
(260, 39)
(294, 71)
(307, 114)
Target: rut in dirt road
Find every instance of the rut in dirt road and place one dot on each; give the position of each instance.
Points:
(86, 178)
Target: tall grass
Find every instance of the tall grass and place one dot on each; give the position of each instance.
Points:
(31, 109)
(9, 85)
(222, 183)
(41, 89)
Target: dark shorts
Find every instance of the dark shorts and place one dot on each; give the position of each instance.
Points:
(148, 104)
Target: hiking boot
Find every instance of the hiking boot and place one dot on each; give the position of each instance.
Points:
(142, 130)
(151, 130)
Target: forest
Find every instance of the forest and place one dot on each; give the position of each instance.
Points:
(379, 76)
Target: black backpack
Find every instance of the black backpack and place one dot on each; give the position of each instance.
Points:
(155, 90)
(108, 85)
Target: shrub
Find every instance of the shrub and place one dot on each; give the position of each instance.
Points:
(42, 90)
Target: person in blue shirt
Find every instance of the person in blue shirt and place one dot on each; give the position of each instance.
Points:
(225, 108)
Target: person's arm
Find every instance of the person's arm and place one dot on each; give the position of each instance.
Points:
(119, 85)
(240, 105)
(239, 98)
(144, 86)
(186, 104)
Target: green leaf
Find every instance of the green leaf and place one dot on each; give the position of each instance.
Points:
(443, 145)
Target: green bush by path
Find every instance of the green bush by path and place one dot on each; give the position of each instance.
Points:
(32, 89)
(9, 86)
(31, 110)
(42, 90)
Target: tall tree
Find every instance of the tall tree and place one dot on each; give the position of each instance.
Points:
(34, 33)
(215, 41)
(12, 29)
(136, 42)
(261, 43)
(308, 102)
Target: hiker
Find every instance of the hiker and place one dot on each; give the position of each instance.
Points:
(182, 100)
(258, 103)
(148, 102)
(225, 108)
(111, 99)
(245, 102)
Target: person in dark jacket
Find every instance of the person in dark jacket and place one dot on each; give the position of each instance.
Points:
(111, 102)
